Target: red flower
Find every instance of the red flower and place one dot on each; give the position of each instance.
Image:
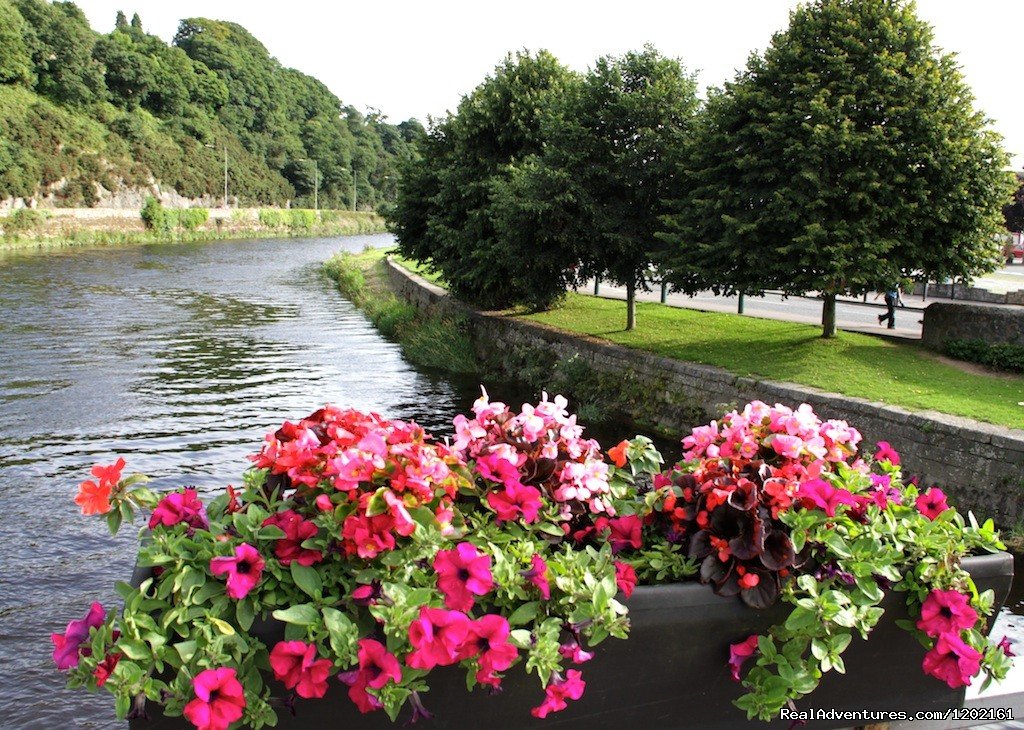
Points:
(739, 653)
(625, 532)
(296, 529)
(461, 574)
(93, 498)
(438, 637)
(952, 661)
(295, 664)
(244, 569)
(625, 578)
(946, 612)
(367, 537)
(105, 668)
(109, 475)
(618, 453)
(219, 699)
(932, 503)
(556, 693)
(176, 507)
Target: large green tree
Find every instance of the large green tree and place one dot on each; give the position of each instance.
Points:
(847, 156)
(15, 60)
(446, 213)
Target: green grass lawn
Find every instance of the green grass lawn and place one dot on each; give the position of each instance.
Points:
(853, 364)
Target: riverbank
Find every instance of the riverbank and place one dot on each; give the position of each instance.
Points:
(93, 227)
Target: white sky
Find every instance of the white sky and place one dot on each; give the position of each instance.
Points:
(411, 59)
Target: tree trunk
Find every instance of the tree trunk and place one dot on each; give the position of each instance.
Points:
(739, 304)
(828, 316)
(597, 286)
(631, 306)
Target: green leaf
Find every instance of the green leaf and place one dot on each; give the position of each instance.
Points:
(526, 613)
(185, 649)
(307, 579)
(245, 614)
(303, 614)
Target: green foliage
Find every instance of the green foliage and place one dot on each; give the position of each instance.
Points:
(849, 155)
(170, 112)
(446, 214)
(1013, 212)
(191, 218)
(301, 220)
(154, 215)
(21, 221)
(1001, 355)
(272, 218)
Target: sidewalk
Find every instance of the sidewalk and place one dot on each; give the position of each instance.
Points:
(852, 314)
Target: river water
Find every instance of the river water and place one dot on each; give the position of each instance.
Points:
(178, 357)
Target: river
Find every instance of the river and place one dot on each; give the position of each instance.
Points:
(178, 357)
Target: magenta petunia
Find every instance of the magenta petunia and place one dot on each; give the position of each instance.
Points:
(219, 699)
(739, 653)
(295, 664)
(952, 661)
(946, 612)
(296, 529)
(438, 637)
(461, 574)
(378, 664)
(538, 575)
(66, 646)
(558, 691)
(244, 569)
(887, 453)
(489, 642)
(819, 493)
(515, 501)
(625, 578)
(177, 507)
(624, 532)
(932, 503)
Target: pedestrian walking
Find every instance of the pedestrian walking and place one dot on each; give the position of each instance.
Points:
(893, 297)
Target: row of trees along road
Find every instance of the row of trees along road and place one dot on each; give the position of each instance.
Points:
(846, 157)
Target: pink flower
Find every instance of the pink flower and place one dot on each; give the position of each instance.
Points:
(488, 640)
(219, 699)
(556, 693)
(625, 532)
(295, 664)
(787, 446)
(575, 653)
(1006, 646)
(367, 537)
(244, 570)
(952, 661)
(176, 507)
(625, 578)
(461, 574)
(378, 664)
(821, 494)
(946, 612)
(403, 522)
(538, 575)
(739, 653)
(515, 500)
(437, 637)
(932, 503)
(887, 453)
(66, 646)
(296, 529)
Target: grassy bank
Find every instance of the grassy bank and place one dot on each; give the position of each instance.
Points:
(62, 231)
(852, 364)
(429, 341)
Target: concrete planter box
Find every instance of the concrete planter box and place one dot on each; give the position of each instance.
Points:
(671, 673)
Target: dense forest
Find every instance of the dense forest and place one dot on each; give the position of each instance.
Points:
(81, 111)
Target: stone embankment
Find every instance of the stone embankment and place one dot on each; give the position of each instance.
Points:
(981, 466)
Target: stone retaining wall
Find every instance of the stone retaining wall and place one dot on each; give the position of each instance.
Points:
(979, 465)
(971, 322)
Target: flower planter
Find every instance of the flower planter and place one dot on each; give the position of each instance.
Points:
(672, 672)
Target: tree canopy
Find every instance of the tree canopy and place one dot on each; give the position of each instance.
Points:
(847, 157)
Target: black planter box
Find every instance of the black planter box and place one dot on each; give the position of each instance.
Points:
(672, 672)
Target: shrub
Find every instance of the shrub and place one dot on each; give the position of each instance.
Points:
(22, 221)
(301, 220)
(270, 218)
(191, 218)
(155, 216)
(1000, 355)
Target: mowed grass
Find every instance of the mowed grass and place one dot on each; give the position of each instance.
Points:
(853, 364)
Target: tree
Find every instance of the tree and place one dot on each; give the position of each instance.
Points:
(845, 158)
(445, 214)
(120, 21)
(61, 44)
(1013, 212)
(610, 160)
(15, 61)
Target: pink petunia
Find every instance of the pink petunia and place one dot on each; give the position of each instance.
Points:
(932, 503)
(625, 578)
(886, 452)
(177, 507)
(740, 653)
(515, 501)
(378, 664)
(219, 699)
(461, 574)
(296, 530)
(489, 640)
(952, 661)
(66, 646)
(244, 570)
(946, 612)
(295, 663)
(819, 493)
(538, 575)
(437, 637)
(558, 691)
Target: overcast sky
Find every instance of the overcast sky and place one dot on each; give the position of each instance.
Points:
(415, 58)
